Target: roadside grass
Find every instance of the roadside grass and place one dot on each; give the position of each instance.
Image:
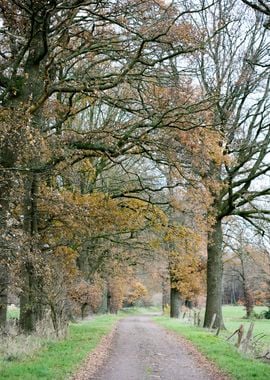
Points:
(224, 354)
(58, 360)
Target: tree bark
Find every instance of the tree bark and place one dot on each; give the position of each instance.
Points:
(248, 298)
(28, 93)
(30, 305)
(165, 294)
(7, 160)
(27, 319)
(4, 273)
(175, 303)
(3, 295)
(214, 277)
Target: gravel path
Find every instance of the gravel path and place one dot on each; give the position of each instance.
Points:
(141, 350)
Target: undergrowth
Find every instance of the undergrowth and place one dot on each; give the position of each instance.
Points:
(49, 359)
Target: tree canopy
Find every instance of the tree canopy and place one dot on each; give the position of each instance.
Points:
(131, 131)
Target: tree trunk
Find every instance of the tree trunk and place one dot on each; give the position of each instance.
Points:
(175, 303)
(214, 277)
(4, 272)
(25, 94)
(248, 298)
(109, 302)
(189, 304)
(165, 294)
(3, 295)
(7, 160)
(83, 308)
(28, 315)
(30, 305)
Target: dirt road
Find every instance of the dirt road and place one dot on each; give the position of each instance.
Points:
(141, 350)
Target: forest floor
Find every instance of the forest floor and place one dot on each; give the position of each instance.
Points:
(141, 350)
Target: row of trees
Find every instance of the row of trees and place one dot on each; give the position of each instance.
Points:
(129, 130)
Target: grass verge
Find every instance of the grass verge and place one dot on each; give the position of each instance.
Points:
(60, 359)
(222, 353)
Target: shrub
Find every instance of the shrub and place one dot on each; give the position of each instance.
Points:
(265, 314)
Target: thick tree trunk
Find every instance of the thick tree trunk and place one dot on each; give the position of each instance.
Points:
(3, 295)
(4, 273)
(214, 277)
(25, 94)
(30, 305)
(27, 315)
(7, 160)
(175, 303)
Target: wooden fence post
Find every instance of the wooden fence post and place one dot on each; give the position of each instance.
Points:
(240, 334)
(248, 337)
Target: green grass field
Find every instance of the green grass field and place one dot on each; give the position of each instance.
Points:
(13, 312)
(57, 360)
(223, 353)
(234, 316)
